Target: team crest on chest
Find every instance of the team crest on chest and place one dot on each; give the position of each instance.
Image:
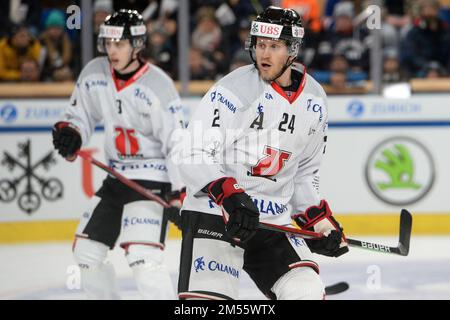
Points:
(271, 164)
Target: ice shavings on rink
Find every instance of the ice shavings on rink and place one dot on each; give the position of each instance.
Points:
(47, 271)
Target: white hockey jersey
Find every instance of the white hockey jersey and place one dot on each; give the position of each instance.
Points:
(249, 129)
(139, 116)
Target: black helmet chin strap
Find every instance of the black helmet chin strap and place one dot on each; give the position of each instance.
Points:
(287, 64)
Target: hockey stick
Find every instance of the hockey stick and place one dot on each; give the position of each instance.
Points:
(148, 194)
(405, 217)
(336, 288)
(305, 234)
(133, 185)
(403, 240)
(401, 249)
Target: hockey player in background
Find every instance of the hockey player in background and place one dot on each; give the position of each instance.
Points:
(265, 131)
(140, 108)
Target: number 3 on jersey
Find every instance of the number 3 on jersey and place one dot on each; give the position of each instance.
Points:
(126, 141)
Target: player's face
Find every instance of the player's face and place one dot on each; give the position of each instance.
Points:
(271, 56)
(118, 52)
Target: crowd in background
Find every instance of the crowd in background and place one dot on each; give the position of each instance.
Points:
(36, 45)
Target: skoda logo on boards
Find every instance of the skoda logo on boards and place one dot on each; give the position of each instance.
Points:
(400, 171)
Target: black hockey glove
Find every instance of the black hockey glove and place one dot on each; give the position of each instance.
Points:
(66, 139)
(174, 216)
(175, 199)
(319, 219)
(243, 215)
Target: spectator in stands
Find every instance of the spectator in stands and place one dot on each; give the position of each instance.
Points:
(341, 40)
(139, 5)
(339, 71)
(207, 36)
(14, 12)
(240, 59)
(433, 70)
(445, 11)
(397, 22)
(14, 49)
(392, 72)
(327, 20)
(237, 47)
(398, 13)
(338, 81)
(29, 70)
(101, 8)
(244, 9)
(232, 14)
(58, 48)
(428, 40)
(162, 27)
(200, 67)
(309, 10)
(160, 50)
(170, 26)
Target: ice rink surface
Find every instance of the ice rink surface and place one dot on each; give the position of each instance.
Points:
(47, 271)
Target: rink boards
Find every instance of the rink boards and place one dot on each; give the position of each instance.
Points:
(382, 155)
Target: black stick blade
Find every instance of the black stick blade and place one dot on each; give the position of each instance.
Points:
(336, 288)
(405, 232)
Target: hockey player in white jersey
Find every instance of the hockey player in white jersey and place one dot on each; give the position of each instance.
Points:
(141, 109)
(264, 134)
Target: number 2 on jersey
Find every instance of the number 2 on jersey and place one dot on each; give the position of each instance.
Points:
(215, 122)
(126, 141)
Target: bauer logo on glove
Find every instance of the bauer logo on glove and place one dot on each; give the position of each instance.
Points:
(240, 213)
